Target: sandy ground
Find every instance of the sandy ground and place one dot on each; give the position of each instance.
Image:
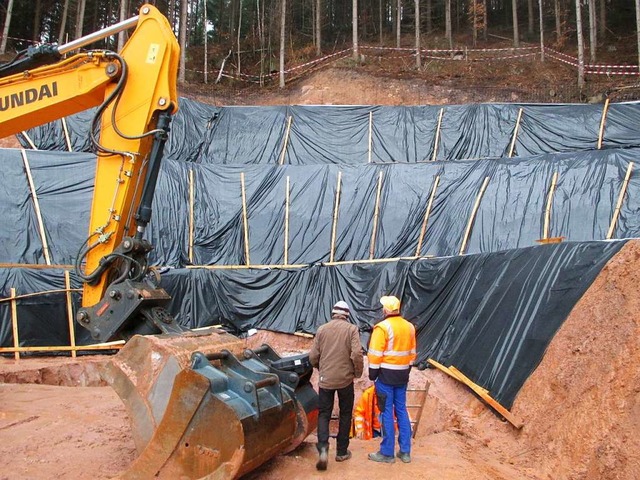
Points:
(580, 408)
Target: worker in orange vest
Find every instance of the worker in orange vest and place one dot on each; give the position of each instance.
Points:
(365, 416)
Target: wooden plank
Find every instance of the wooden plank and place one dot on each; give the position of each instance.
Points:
(116, 345)
(244, 267)
(370, 135)
(416, 422)
(28, 139)
(616, 212)
(423, 230)
(191, 214)
(286, 224)
(476, 205)
(35, 266)
(515, 133)
(286, 140)
(67, 139)
(547, 213)
(437, 139)
(376, 214)
(334, 227)
(35, 294)
(36, 206)
(463, 378)
(72, 330)
(603, 121)
(245, 220)
(14, 323)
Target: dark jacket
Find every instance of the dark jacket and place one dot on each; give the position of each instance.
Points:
(337, 353)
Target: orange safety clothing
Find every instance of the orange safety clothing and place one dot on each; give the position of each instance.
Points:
(365, 415)
(392, 350)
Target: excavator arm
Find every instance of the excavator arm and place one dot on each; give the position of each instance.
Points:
(135, 92)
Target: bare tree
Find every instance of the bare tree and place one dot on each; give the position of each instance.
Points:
(516, 34)
(541, 31)
(239, 29)
(206, 40)
(123, 16)
(530, 17)
(283, 11)
(318, 27)
(36, 20)
(580, 44)
(558, 12)
(398, 21)
(380, 18)
(182, 40)
(354, 29)
(417, 8)
(63, 22)
(447, 21)
(5, 30)
(638, 28)
(80, 17)
(429, 17)
(485, 21)
(603, 19)
(593, 32)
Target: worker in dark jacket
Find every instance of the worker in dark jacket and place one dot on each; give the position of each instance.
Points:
(337, 354)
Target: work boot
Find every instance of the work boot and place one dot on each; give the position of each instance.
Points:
(323, 459)
(343, 458)
(378, 457)
(405, 457)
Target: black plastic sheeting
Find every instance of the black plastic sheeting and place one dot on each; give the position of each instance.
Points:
(342, 134)
(491, 315)
(511, 213)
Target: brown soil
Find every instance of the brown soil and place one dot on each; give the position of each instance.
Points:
(580, 408)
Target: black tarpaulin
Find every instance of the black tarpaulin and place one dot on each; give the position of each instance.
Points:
(491, 315)
(356, 135)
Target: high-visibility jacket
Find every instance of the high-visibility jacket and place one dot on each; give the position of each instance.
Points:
(392, 350)
(365, 415)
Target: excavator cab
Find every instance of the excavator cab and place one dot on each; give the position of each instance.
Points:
(200, 403)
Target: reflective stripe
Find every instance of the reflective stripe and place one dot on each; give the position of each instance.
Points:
(405, 353)
(391, 366)
(371, 365)
(377, 353)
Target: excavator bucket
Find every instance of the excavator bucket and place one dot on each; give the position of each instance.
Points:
(204, 407)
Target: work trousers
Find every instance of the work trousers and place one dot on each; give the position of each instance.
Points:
(345, 404)
(393, 399)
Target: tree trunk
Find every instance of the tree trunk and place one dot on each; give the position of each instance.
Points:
(558, 20)
(36, 21)
(516, 34)
(5, 30)
(63, 22)
(239, 29)
(206, 41)
(171, 13)
(283, 11)
(580, 44)
(318, 27)
(447, 21)
(123, 16)
(485, 29)
(593, 32)
(380, 5)
(354, 29)
(398, 22)
(80, 17)
(603, 19)
(541, 32)
(530, 19)
(429, 18)
(182, 40)
(637, 28)
(417, 15)
(475, 23)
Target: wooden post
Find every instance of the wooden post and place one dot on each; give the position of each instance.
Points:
(286, 140)
(245, 220)
(473, 215)
(370, 134)
(191, 214)
(623, 190)
(72, 330)
(376, 214)
(547, 213)
(66, 134)
(515, 133)
(28, 139)
(36, 206)
(14, 323)
(423, 230)
(437, 140)
(603, 121)
(286, 224)
(334, 228)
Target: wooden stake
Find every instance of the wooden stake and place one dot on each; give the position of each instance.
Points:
(244, 267)
(72, 330)
(423, 230)
(603, 121)
(28, 139)
(66, 134)
(616, 212)
(515, 133)
(35, 294)
(547, 213)
(334, 228)
(481, 392)
(286, 225)
(376, 214)
(473, 215)
(245, 221)
(191, 214)
(116, 345)
(14, 323)
(36, 206)
(286, 140)
(437, 141)
(370, 134)
(34, 266)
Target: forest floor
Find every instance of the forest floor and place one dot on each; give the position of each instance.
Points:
(580, 408)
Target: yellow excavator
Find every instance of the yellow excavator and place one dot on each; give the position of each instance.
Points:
(201, 405)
